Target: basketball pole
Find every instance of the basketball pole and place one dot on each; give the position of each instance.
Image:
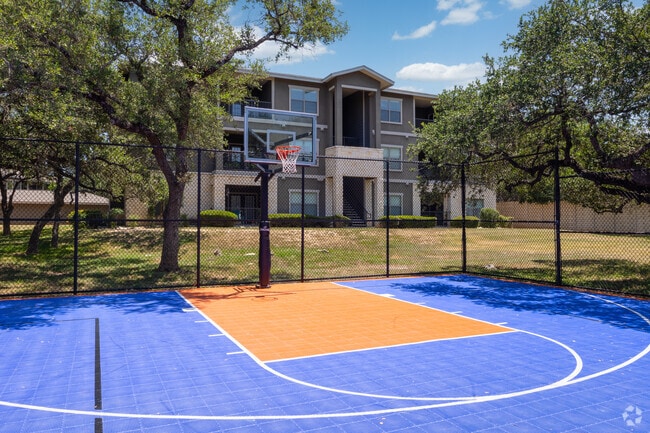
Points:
(265, 228)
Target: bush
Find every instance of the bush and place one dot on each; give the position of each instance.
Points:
(471, 222)
(117, 216)
(82, 215)
(408, 221)
(340, 221)
(286, 219)
(504, 221)
(218, 218)
(91, 219)
(295, 220)
(491, 218)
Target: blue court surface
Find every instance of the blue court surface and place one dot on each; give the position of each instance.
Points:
(152, 362)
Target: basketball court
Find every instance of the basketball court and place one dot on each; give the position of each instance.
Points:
(444, 353)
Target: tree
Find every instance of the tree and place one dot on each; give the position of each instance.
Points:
(574, 78)
(160, 69)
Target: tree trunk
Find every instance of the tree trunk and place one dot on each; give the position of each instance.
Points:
(7, 209)
(54, 243)
(175, 178)
(6, 223)
(171, 223)
(59, 200)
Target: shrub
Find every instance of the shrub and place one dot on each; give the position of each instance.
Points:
(286, 219)
(117, 216)
(218, 218)
(489, 217)
(90, 218)
(408, 221)
(504, 221)
(82, 216)
(471, 222)
(340, 221)
(295, 220)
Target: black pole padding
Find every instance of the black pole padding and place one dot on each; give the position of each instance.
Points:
(265, 228)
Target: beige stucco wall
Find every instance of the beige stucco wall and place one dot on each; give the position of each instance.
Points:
(189, 205)
(453, 202)
(366, 163)
(244, 178)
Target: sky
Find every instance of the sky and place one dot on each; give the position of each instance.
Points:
(422, 45)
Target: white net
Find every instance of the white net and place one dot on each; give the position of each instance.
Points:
(289, 156)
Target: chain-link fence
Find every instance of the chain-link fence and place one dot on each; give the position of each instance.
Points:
(88, 217)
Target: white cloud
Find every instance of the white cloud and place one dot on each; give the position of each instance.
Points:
(463, 15)
(460, 74)
(410, 88)
(268, 51)
(418, 33)
(516, 4)
(445, 5)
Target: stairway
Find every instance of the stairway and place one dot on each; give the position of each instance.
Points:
(349, 211)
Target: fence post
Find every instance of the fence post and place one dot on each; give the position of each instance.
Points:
(557, 219)
(75, 257)
(463, 189)
(302, 227)
(387, 199)
(198, 219)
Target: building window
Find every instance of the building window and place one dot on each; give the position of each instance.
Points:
(311, 202)
(393, 203)
(473, 207)
(391, 110)
(304, 100)
(394, 154)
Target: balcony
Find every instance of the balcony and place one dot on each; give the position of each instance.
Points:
(235, 161)
(419, 122)
(237, 109)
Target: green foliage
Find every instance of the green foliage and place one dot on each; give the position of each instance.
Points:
(340, 221)
(490, 218)
(295, 220)
(117, 216)
(159, 72)
(574, 78)
(90, 218)
(471, 222)
(218, 218)
(408, 221)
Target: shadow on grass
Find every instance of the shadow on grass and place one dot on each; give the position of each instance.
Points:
(109, 260)
(608, 275)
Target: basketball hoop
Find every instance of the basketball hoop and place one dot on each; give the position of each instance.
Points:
(288, 154)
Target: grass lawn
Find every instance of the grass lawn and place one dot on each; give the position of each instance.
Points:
(127, 258)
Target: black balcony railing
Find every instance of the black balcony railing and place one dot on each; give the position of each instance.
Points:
(419, 122)
(237, 109)
(235, 161)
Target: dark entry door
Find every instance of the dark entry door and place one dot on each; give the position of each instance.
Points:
(245, 202)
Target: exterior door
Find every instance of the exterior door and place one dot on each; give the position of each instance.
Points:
(245, 202)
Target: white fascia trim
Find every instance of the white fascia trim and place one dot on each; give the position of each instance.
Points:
(399, 134)
(367, 89)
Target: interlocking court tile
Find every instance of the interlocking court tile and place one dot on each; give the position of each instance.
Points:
(308, 319)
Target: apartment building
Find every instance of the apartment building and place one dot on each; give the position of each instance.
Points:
(361, 120)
